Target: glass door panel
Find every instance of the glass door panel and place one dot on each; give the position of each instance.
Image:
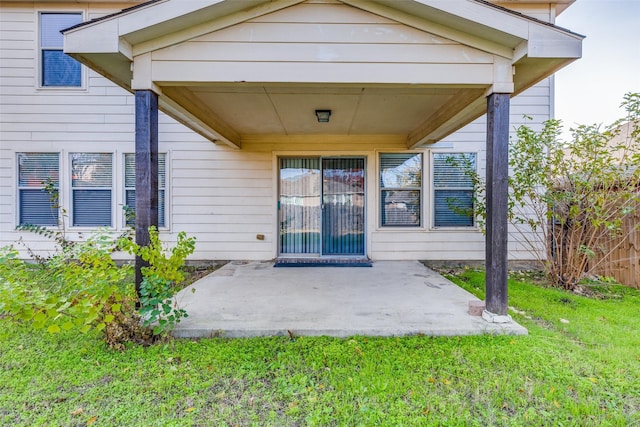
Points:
(299, 206)
(343, 206)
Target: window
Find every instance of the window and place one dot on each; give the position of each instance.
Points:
(57, 68)
(38, 181)
(91, 189)
(400, 189)
(453, 189)
(130, 186)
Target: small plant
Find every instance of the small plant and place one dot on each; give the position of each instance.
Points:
(158, 308)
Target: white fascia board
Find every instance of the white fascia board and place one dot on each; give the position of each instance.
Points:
(482, 14)
(98, 37)
(549, 42)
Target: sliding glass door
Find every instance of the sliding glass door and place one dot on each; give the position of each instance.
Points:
(321, 206)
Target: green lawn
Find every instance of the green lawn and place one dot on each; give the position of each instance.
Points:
(580, 365)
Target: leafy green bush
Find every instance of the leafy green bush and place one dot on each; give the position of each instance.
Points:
(67, 291)
(80, 287)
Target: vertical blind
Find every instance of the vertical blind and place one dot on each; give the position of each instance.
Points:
(58, 69)
(343, 206)
(130, 186)
(91, 188)
(37, 206)
(400, 189)
(299, 206)
(453, 189)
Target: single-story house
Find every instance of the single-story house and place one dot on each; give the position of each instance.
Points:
(275, 129)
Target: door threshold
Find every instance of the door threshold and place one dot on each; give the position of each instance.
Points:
(323, 262)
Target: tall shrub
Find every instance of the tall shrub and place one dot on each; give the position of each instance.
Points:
(566, 196)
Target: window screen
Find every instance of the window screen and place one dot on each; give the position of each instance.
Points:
(38, 183)
(130, 186)
(91, 188)
(58, 69)
(400, 189)
(453, 189)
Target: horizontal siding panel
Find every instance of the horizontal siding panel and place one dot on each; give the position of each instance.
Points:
(219, 229)
(221, 173)
(225, 192)
(222, 209)
(222, 182)
(323, 33)
(441, 246)
(319, 13)
(300, 52)
(44, 97)
(72, 110)
(240, 203)
(87, 127)
(215, 164)
(302, 72)
(389, 237)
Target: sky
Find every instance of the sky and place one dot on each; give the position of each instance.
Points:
(590, 90)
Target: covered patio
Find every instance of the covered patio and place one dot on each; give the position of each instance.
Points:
(248, 75)
(392, 298)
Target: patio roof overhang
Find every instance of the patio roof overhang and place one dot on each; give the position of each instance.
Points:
(244, 90)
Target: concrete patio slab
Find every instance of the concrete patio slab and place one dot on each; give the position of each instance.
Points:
(392, 298)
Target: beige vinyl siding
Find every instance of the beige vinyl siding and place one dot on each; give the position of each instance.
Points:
(222, 196)
(309, 41)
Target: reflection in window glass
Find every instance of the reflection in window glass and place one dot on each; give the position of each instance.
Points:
(453, 189)
(400, 189)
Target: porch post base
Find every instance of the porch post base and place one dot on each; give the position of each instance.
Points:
(496, 318)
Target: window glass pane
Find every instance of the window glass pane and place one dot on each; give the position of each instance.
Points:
(130, 201)
(34, 169)
(400, 207)
(38, 208)
(400, 170)
(453, 208)
(130, 170)
(59, 69)
(92, 207)
(91, 170)
(52, 23)
(130, 185)
(449, 169)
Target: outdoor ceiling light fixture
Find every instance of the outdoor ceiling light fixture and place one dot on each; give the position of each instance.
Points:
(323, 116)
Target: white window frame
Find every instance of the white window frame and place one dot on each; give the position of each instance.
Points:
(21, 188)
(434, 189)
(163, 188)
(381, 189)
(73, 190)
(40, 48)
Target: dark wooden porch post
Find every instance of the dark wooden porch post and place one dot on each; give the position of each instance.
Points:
(146, 171)
(497, 194)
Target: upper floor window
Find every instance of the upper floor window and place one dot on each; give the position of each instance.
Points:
(400, 189)
(453, 189)
(57, 68)
(38, 183)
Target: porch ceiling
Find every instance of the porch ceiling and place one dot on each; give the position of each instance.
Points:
(250, 109)
(230, 69)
